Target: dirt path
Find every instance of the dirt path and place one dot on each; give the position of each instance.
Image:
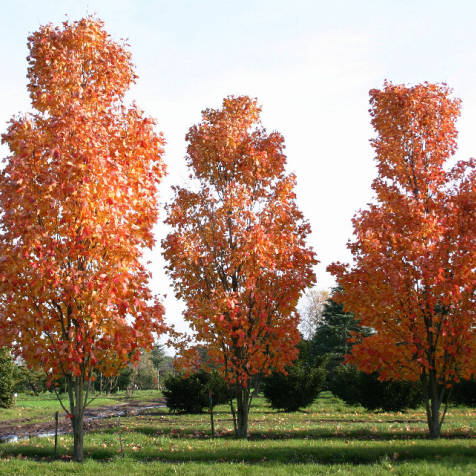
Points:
(94, 418)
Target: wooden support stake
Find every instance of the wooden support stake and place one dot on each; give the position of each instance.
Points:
(120, 437)
(210, 398)
(56, 434)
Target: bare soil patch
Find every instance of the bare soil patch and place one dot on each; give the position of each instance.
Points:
(94, 418)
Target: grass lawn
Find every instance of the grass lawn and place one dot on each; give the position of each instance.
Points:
(328, 438)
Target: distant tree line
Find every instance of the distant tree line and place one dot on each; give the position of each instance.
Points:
(17, 377)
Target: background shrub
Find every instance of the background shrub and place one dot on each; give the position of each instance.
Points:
(346, 384)
(28, 381)
(354, 387)
(464, 393)
(6, 378)
(191, 393)
(298, 389)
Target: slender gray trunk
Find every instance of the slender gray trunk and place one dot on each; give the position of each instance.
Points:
(210, 404)
(243, 412)
(434, 398)
(78, 435)
(233, 414)
(75, 386)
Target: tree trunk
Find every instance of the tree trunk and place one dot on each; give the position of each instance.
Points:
(78, 434)
(210, 404)
(434, 397)
(243, 411)
(76, 410)
(233, 414)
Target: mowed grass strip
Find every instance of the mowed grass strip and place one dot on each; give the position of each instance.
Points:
(141, 447)
(443, 467)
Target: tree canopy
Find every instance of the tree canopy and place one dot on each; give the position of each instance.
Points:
(78, 199)
(237, 253)
(413, 276)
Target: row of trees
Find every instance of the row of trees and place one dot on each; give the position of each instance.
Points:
(78, 198)
(316, 369)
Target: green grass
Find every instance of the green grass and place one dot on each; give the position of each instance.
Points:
(443, 467)
(328, 438)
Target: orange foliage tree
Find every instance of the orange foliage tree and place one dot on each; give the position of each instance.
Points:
(78, 200)
(237, 253)
(413, 276)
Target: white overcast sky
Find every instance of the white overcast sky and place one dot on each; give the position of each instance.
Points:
(309, 63)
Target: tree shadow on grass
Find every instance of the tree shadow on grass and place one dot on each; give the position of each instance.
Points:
(338, 452)
(191, 431)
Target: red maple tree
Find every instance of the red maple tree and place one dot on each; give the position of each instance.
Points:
(78, 200)
(413, 276)
(237, 252)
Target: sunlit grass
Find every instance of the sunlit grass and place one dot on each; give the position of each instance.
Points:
(443, 467)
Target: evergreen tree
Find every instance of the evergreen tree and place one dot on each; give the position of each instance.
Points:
(464, 393)
(28, 380)
(356, 387)
(158, 360)
(157, 356)
(304, 380)
(6, 378)
(330, 339)
(190, 393)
